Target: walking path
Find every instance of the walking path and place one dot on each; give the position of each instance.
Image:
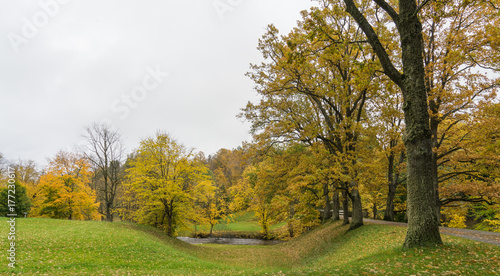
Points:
(476, 235)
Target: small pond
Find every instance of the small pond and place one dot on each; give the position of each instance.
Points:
(232, 241)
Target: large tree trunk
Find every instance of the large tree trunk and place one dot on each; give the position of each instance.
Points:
(169, 215)
(389, 209)
(290, 228)
(336, 206)
(345, 206)
(109, 212)
(422, 222)
(357, 210)
(169, 229)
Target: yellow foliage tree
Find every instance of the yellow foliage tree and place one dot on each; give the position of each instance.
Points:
(315, 87)
(210, 208)
(163, 178)
(65, 191)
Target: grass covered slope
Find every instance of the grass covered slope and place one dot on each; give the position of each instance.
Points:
(60, 247)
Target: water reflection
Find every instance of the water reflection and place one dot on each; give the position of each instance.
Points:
(233, 241)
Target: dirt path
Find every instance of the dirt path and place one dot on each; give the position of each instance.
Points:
(481, 236)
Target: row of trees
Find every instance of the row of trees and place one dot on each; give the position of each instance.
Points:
(81, 184)
(353, 74)
(162, 183)
(364, 105)
(301, 183)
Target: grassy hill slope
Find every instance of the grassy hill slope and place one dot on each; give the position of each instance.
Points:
(60, 247)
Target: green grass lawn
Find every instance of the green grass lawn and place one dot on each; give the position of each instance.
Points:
(245, 222)
(61, 247)
(242, 221)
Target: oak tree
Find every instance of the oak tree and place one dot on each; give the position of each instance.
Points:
(410, 78)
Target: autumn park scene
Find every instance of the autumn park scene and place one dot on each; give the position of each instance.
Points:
(326, 137)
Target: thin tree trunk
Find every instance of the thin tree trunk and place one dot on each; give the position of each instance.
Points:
(389, 210)
(70, 210)
(265, 228)
(435, 145)
(393, 184)
(163, 217)
(327, 209)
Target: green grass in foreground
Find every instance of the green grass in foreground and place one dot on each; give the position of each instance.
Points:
(60, 247)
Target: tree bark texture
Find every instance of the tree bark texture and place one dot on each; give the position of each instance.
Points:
(345, 206)
(423, 225)
(336, 206)
(357, 210)
(327, 214)
(389, 209)
(391, 193)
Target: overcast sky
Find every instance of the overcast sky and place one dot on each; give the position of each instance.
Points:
(141, 66)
